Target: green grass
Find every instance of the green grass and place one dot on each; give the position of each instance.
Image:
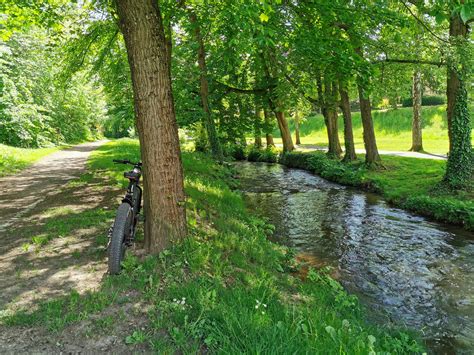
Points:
(392, 129)
(226, 288)
(407, 182)
(14, 159)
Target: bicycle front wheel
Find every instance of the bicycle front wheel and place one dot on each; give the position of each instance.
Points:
(121, 230)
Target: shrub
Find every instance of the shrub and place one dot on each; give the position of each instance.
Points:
(235, 151)
(425, 101)
(268, 155)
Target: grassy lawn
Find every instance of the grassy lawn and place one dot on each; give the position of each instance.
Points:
(13, 159)
(392, 129)
(407, 182)
(226, 288)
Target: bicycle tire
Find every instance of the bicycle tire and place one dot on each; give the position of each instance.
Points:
(117, 245)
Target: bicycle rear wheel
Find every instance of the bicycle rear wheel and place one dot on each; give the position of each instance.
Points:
(121, 229)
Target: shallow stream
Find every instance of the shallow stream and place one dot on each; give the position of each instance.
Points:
(414, 272)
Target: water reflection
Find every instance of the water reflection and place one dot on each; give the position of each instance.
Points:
(419, 273)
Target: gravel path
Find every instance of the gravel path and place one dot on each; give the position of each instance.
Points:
(29, 274)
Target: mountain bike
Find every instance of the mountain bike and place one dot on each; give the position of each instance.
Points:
(122, 233)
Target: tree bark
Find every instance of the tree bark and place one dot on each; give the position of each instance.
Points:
(459, 167)
(456, 28)
(209, 123)
(350, 153)
(372, 156)
(371, 152)
(297, 128)
(285, 131)
(329, 108)
(283, 126)
(149, 58)
(417, 140)
(268, 129)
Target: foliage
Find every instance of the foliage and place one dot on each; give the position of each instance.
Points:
(268, 155)
(459, 169)
(36, 107)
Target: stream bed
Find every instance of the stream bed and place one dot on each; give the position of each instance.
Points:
(413, 272)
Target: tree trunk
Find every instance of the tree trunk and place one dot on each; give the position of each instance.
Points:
(330, 118)
(371, 152)
(297, 128)
(417, 143)
(209, 123)
(285, 131)
(334, 146)
(350, 153)
(257, 127)
(268, 129)
(283, 126)
(149, 56)
(372, 156)
(459, 167)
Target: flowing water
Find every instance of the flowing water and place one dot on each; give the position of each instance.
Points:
(415, 272)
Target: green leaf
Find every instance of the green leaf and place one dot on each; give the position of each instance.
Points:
(264, 17)
(467, 12)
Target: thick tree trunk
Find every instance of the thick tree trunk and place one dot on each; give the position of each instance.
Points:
(371, 152)
(456, 28)
(149, 58)
(417, 141)
(209, 123)
(459, 167)
(350, 153)
(372, 156)
(283, 126)
(334, 146)
(297, 128)
(285, 131)
(330, 101)
(268, 129)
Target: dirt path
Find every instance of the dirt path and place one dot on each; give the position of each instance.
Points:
(309, 147)
(38, 259)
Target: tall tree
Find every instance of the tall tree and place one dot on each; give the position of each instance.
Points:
(459, 168)
(417, 140)
(204, 87)
(149, 56)
(350, 153)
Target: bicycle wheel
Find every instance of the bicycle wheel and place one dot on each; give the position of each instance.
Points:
(121, 229)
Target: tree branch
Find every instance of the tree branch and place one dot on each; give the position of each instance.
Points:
(409, 61)
(422, 23)
(256, 91)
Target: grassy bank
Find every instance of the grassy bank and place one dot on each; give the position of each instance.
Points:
(392, 129)
(13, 159)
(409, 183)
(224, 289)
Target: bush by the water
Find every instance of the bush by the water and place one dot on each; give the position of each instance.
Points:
(268, 155)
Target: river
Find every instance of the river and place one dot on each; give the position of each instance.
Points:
(412, 272)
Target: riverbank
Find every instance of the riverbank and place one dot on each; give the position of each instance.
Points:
(408, 183)
(392, 129)
(226, 288)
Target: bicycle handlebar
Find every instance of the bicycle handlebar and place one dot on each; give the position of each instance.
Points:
(120, 161)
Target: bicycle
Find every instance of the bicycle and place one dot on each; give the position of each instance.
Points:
(122, 233)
